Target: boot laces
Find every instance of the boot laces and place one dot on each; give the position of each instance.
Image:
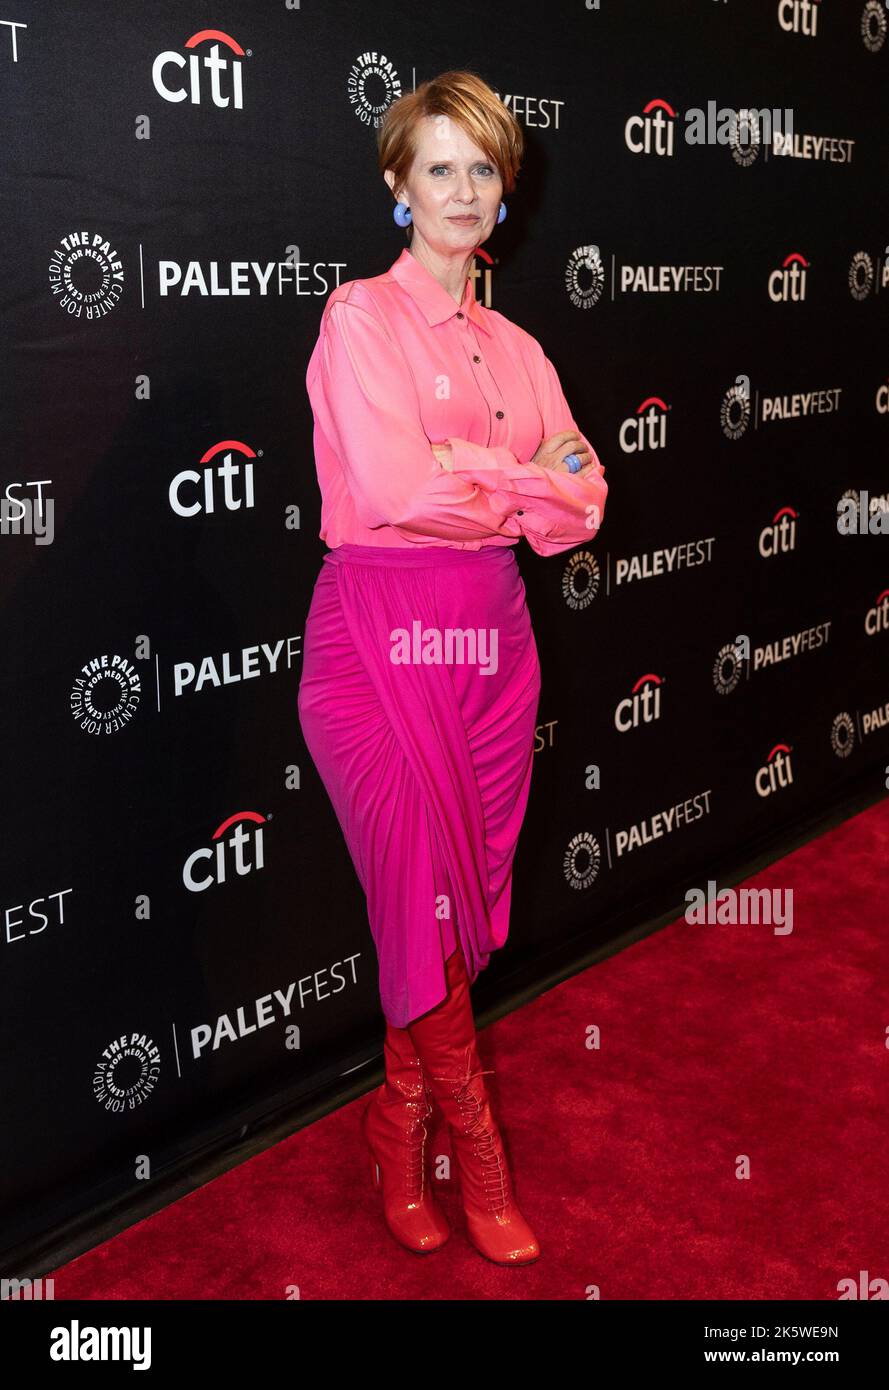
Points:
(414, 1169)
(415, 1164)
(486, 1147)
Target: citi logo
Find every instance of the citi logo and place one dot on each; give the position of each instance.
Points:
(780, 537)
(799, 17)
(881, 402)
(223, 79)
(647, 429)
(876, 619)
(641, 706)
(776, 773)
(240, 852)
(227, 483)
(789, 282)
(652, 132)
(743, 129)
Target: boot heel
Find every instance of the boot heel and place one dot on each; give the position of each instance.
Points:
(376, 1176)
(395, 1134)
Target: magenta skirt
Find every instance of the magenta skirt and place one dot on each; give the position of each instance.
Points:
(418, 702)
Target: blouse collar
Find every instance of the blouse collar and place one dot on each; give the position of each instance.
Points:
(431, 296)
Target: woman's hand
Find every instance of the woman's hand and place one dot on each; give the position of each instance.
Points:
(551, 453)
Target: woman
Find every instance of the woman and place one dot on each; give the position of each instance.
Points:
(441, 438)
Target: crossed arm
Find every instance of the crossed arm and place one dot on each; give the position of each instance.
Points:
(364, 397)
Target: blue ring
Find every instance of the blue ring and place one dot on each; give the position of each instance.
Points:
(573, 462)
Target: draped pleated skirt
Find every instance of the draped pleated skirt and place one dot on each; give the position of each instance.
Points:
(418, 701)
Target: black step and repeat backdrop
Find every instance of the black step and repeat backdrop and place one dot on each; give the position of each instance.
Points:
(699, 240)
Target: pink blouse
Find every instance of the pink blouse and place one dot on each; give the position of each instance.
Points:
(399, 366)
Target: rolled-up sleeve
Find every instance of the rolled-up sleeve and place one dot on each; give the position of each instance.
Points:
(556, 510)
(364, 398)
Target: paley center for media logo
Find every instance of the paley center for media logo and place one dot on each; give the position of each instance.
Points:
(373, 85)
(581, 579)
(86, 276)
(583, 857)
(734, 658)
(127, 1072)
(742, 405)
(874, 25)
(108, 690)
(586, 278)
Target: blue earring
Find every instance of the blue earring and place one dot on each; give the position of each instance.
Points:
(502, 213)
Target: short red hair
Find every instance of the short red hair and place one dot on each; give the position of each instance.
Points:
(468, 100)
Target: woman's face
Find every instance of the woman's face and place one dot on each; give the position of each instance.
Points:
(450, 178)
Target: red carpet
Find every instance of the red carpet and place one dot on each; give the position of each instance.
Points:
(717, 1042)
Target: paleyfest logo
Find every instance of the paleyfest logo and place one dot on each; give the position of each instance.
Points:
(86, 275)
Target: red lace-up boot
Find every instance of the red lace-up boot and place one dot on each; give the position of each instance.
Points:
(445, 1041)
(394, 1126)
